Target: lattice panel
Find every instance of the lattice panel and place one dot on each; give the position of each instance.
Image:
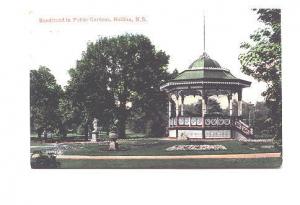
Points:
(215, 134)
(172, 133)
(190, 133)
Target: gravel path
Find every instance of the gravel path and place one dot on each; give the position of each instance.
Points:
(223, 156)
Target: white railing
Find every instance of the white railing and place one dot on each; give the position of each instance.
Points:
(185, 121)
(244, 128)
(214, 122)
(217, 121)
(198, 121)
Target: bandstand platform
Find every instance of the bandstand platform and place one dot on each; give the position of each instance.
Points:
(209, 127)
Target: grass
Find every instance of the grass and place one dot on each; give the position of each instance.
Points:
(146, 146)
(158, 147)
(74, 137)
(172, 164)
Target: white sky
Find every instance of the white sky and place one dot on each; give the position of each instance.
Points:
(175, 29)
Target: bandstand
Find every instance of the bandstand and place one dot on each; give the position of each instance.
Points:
(205, 78)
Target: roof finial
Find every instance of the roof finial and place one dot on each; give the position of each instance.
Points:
(203, 32)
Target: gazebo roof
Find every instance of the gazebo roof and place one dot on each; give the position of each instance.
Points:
(205, 68)
(207, 71)
(204, 61)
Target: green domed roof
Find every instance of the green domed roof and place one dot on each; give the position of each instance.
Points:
(197, 74)
(205, 68)
(208, 72)
(204, 61)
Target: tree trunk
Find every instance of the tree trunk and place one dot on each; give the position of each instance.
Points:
(39, 133)
(86, 131)
(62, 130)
(121, 128)
(122, 116)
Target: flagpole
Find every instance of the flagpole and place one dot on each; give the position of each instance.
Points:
(203, 32)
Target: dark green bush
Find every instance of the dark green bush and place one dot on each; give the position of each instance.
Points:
(40, 160)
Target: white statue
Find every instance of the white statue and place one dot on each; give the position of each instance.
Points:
(95, 125)
(95, 131)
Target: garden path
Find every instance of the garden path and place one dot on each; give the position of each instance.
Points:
(223, 156)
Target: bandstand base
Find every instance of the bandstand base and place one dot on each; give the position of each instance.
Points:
(184, 134)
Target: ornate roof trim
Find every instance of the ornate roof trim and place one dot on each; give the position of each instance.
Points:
(205, 82)
(208, 68)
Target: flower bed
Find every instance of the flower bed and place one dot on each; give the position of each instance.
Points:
(196, 148)
(56, 149)
(244, 139)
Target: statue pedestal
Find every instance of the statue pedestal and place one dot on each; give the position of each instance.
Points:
(94, 136)
(113, 146)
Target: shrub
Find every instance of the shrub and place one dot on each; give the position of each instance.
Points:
(40, 160)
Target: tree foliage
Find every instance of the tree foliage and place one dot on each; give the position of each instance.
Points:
(115, 73)
(260, 119)
(194, 110)
(44, 100)
(151, 116)
(261, 59)
(87, 91)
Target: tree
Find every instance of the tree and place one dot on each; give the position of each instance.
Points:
(88, 93)
(44, 100)
(69, 115)
(261, 59)
(260, 119)
(192, 110)
(116, 72)
(213, 107)
(153, 107)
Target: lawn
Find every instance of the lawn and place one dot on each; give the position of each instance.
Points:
(158, 147)
(171, 164)
(79, 137)
(153, 147)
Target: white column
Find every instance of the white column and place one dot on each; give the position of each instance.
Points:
(230, 108)
(230, 104)
(170, 110)
(182, 104)
(203, 106)
(240, 105)
(240, 108)
(204, 110)
(177, 106)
